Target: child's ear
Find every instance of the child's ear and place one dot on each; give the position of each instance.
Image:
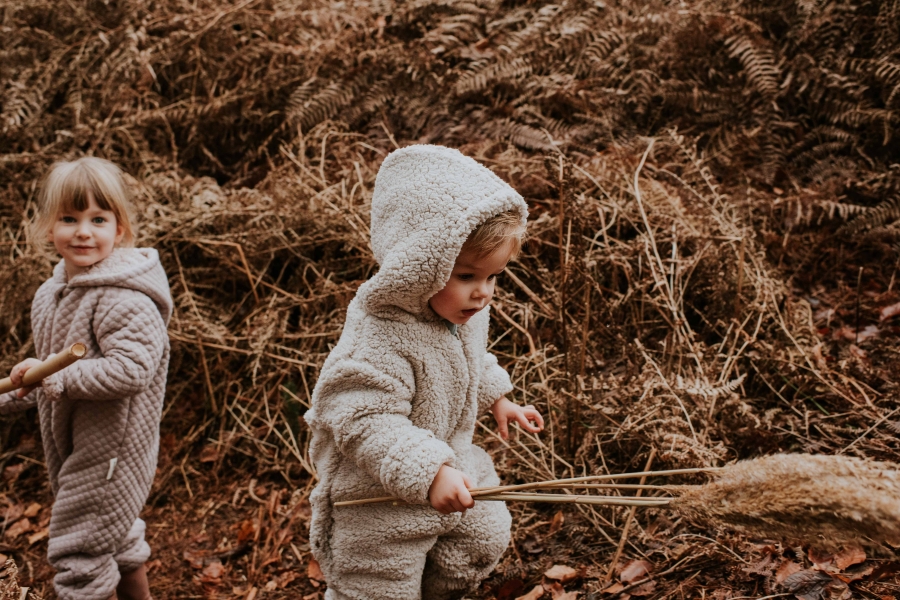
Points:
(120, 233)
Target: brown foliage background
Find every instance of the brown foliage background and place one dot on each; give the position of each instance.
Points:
(710, 274)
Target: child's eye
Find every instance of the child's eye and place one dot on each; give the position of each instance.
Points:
(98, 220)
(68, 219)
(465, 276)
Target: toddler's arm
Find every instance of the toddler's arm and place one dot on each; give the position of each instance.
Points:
(365, 405)
(132, 338)
(494, 383)
(506, 412)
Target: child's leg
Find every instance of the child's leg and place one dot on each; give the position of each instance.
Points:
(131, 556)
(378, 552)
(463, 557)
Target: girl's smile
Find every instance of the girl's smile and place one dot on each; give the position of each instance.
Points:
(85, 237)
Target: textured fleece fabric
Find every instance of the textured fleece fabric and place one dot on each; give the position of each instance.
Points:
(399, 395)
(100, 416)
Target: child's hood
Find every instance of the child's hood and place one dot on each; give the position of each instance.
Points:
(136, 269)
(427, 200)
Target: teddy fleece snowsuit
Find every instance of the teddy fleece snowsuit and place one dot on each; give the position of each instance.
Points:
(399, 395)
(100, 417)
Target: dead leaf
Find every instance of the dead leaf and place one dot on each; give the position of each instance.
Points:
(614, 588)
(537, 592)
(12, 513)
(557, 522)
(645, 589)
(561, 573)
(889, 311)
(18, 528)
(212, 573)
(38, 536)
(510, 589)
(858, 352)
(314, 571)
(885, 569)
(246, 530)
(634, 570)
(32, 511)
(195, 559)
(785, 570)
(209, 454)
(12, 472)
(558, 593)
(820, 558)
(286, 578)
(852, 555)
(848, 333)
(809, 584)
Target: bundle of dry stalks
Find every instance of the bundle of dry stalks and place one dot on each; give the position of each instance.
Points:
(9, 584)
(837, 499)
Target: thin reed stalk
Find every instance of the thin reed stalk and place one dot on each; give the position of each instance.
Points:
(573, 482)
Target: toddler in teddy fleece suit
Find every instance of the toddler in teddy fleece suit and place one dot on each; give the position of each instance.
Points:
(394, 409)
(99, 417)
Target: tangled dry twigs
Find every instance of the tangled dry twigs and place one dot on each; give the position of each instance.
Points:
(668, 298)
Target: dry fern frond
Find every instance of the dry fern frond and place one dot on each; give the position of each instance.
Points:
(759, 63)
(886, 212)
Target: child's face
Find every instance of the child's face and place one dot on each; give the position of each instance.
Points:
(471, 285)
(85, 237)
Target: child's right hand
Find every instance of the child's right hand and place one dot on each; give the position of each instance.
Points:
(449, 492)
(18, 372)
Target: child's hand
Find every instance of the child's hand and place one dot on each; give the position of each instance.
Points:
(506, 412)
(449, 492)
(18, 372)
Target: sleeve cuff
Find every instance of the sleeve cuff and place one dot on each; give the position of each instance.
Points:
(412, 464)
(495, 382)
(53, 387)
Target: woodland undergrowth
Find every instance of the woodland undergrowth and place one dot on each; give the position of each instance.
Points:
(709, 274)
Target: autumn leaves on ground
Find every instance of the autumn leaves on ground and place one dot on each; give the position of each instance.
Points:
(711, 272)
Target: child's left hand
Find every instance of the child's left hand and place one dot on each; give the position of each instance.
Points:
(18, 372)
(527, 417)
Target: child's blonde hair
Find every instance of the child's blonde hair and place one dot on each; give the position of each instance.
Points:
(498, 231)
(67, 186)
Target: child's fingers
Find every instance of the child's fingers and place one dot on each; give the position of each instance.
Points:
(465, 500)
(526, 417)
(535, 416)
(503, 426)
(25, 391)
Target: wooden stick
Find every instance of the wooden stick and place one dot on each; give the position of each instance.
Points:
(477, 492)
(54, 364)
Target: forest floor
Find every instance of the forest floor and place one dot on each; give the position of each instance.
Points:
(688, 297)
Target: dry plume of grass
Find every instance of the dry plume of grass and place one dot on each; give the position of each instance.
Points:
(829, 500)
(654, 307)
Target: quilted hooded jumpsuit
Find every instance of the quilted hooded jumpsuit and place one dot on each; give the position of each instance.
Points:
(399, 395)
(100, 416)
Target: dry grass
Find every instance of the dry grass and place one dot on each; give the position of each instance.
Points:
(655, 307)
(824, 500)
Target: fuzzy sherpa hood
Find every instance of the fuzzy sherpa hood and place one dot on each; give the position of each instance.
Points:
(137, 269)
(427, 200)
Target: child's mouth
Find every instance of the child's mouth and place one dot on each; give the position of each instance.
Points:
(470, 311)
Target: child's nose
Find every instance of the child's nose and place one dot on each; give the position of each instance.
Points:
(83, 230)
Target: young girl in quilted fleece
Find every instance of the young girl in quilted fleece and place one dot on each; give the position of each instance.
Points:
(394, 409)
(99, 417)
